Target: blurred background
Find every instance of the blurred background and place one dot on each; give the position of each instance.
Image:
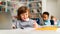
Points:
(8, 8)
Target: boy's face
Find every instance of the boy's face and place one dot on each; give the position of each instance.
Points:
(54, 18)
(45, 17)
(24, 16)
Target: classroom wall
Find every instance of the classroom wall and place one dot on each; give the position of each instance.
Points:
(5, 20)
(51, 6)
(58, 6)
(44, 5)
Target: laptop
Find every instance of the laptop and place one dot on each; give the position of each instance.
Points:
(5, 20)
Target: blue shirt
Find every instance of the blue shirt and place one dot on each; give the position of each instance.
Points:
(47, 22)
(58, 22)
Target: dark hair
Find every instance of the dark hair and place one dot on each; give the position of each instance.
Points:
(21, 10)
(52, 17)
(46, 13)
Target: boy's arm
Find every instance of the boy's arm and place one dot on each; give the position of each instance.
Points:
(14, 24)
(35, 24)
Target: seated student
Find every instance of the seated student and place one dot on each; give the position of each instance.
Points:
(56, 21)
(46, 19)
(51, 20)
(23, 19)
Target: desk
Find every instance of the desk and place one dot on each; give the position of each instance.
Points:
(20, 31)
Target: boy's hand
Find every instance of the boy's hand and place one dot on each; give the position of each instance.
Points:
(35, 24)
(13, 26)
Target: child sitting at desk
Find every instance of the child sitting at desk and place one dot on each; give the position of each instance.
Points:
(46, 19)
(23, 19)
(56, 21)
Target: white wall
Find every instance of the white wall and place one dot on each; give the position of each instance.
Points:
(58, 10)
(44, 5)
(5, 20)
(51, 6)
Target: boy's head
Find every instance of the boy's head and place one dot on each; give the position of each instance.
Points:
(23, 13)
(53, 18)
(45, 16)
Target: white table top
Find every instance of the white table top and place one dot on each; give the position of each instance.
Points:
(28, 31)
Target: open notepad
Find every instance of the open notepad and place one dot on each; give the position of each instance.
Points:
(47, 28)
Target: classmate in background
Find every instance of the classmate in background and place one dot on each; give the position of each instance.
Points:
(51, 20)
(23, 19)
(56, 21)
(46, 19)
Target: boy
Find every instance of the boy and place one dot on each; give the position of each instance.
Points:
(46, 18)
